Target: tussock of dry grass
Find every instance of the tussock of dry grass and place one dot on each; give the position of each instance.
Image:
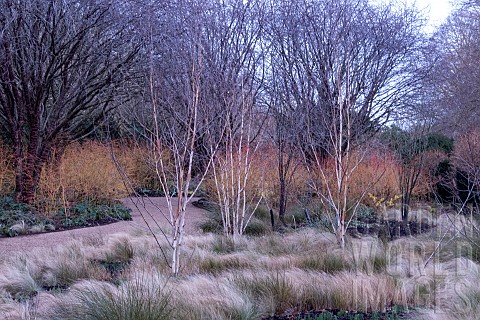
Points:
(215, 298)
(120, 249)
(18, 284)
(138, 298)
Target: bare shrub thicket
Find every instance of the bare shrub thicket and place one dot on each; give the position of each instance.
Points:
(84, 172)
(295, 188)
(373, 181)
(7, 173)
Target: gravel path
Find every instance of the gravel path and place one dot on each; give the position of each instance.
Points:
(152, 209)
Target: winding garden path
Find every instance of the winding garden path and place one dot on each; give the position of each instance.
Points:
(144, 210)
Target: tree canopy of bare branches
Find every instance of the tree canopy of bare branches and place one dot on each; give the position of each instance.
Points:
(344, 68)
(456, 76)
(61, 65)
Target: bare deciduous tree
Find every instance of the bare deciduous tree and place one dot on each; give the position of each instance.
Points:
(233, 80)
(177, 108)
(284, 135)
(195, 92)
(61, 65)
(409, 149)
(237, 198)
(347, 67)
(466, 159)
(456, 76)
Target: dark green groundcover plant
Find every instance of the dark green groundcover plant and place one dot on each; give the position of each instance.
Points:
(19, 218)
(393, 313)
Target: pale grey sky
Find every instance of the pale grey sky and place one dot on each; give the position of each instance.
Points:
(435, 10)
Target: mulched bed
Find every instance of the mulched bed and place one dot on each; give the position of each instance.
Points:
(206, 204)
(388, 229)
(372, 225)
